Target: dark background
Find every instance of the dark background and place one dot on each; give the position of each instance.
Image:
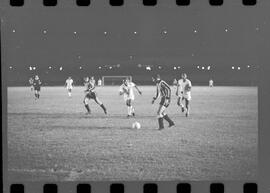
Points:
(165, 38)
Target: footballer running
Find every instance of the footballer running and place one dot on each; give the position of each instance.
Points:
(126, 89)
(31, 81)
(184, 93)
(69, 85)
(164, 91)
(211, 83)
(37, 87)
(91, 94)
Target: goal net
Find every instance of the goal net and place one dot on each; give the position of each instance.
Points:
(114, 80)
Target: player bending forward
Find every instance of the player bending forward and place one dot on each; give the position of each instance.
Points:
(69, 85)
(91, 94)
(37, 85)
(126, 89)
(184, 93)
(163, 90)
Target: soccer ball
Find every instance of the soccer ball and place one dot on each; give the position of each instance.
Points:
(136, 125)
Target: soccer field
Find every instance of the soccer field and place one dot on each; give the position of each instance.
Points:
(52, 138)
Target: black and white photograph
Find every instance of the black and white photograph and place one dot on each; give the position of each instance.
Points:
(128, 93)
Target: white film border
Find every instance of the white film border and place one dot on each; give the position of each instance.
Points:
(258, 9)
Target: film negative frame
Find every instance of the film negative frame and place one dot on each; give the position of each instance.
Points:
(262, 185)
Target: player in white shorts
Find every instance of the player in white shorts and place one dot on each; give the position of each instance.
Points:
(211, 83)
(126, 89)
(99, 82)
(184, 93)
(69, 85)
(31, 81)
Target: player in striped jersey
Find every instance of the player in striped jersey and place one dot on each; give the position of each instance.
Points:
(91, 94)
(164, 91)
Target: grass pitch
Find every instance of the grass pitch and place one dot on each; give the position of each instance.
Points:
(52, 138)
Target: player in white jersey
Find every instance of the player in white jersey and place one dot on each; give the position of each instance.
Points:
(175, 82)
(69, 85)
(92, 79)
(211, 83)
(126, 89)
(31, 82)
(99, 82)
(184, 93)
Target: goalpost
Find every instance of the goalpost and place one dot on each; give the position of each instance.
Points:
(114, 80)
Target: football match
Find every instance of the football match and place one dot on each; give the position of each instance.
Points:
(54, 137)
(137, 95)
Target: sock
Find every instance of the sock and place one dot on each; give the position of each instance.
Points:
(167, 118)
(178, 102)
(160, 123)
(69, 94)
(187, 109)
(104, 109)
(37, 95)
(132, 109)
(87, 108)
(129, 110)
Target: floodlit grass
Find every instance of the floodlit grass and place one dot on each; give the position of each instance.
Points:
(52, 138)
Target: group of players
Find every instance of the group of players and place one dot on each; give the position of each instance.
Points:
(163, 91)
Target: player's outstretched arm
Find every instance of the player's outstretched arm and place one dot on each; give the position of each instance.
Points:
(140, 92)
(153, 100)
(188, 86)
(155, 97)
(90, 90)
(121, 90)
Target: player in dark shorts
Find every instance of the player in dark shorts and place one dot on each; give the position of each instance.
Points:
(164, 91)
(91, 94)
(37, 86)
